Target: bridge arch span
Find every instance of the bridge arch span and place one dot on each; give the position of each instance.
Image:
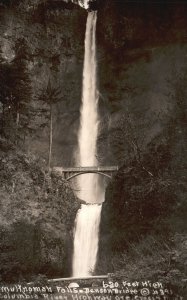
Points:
(88, 172)
(70, 173)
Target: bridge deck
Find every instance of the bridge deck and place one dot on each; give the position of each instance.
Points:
(86, 169)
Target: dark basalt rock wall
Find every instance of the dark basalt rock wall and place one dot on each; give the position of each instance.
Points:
(139, 46)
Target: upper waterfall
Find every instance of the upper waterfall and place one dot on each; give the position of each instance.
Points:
(90, 185)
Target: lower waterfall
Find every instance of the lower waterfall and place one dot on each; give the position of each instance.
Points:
(86, 240)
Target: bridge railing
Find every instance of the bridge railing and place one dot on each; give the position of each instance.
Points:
(86, 169)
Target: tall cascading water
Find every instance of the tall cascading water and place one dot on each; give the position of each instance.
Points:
(91, 188)
(86, 240)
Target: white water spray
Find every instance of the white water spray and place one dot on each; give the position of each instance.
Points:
(91, 190)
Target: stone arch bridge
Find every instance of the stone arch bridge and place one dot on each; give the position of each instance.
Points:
(70, 173)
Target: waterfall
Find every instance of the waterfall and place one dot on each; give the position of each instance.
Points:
(91, 189)
(86, 240)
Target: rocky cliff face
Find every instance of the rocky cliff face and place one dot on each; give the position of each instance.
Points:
(140, 48)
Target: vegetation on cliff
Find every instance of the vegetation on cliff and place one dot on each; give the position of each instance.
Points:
(37, 217)
(143, 227)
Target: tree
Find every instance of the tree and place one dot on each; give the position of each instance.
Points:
(129, 138)
(21, 87)
(15, 92)
(49, 96)
(131, 130)
(5, 94)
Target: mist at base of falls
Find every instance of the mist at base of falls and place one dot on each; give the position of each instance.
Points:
(92, 188)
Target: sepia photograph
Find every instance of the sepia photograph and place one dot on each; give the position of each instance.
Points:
(93, 156)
